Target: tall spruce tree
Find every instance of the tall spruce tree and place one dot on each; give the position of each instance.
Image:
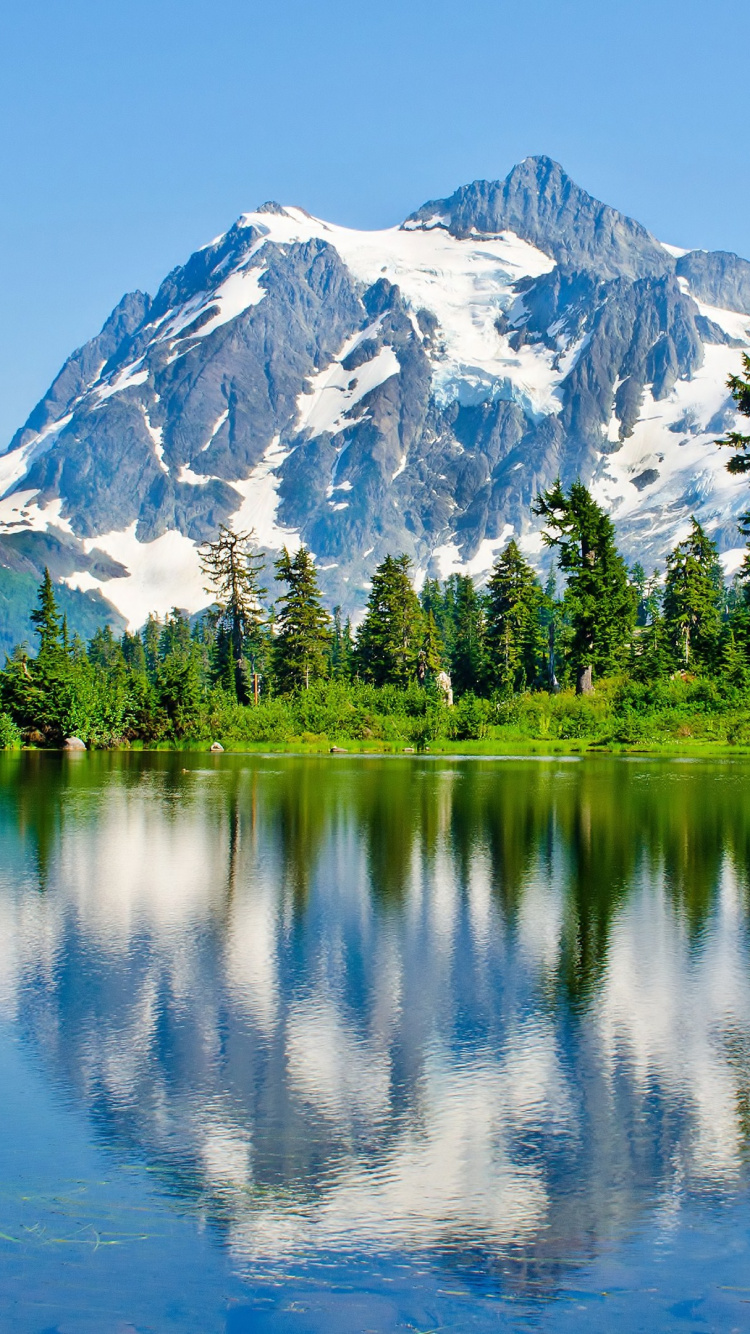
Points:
(465, 634)
(693, 599)
(301, 649)
(46, 619)
(600, 604)
(390, 636)
(514, 637)
(431, 650)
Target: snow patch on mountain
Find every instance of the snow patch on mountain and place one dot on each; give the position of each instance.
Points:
(155, 571)
(332, 394)
(260, 503)
(672, 454)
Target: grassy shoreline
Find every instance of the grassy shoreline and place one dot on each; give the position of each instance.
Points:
(501, 748)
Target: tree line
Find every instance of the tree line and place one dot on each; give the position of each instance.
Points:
(592, 618)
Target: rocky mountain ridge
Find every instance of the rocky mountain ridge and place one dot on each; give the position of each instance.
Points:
(407, 389)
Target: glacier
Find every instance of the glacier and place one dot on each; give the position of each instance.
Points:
(405, 389)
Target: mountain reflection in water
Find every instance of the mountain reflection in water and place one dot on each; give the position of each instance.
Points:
(498, 1009)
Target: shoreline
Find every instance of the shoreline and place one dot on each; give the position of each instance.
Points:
(488, 749)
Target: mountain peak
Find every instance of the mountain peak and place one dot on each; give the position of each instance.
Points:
(543, 205)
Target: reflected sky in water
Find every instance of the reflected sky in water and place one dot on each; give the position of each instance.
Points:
(363, 1044)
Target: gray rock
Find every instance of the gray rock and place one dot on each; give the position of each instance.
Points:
(216, 746)
(73, 743)
(717, 277)
(540, 202)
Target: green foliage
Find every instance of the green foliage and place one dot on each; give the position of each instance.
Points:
(514, 631)
(693, 600)
(301, 649)
(10, 737)
(600, 604)
(507, 648)
(390, 638)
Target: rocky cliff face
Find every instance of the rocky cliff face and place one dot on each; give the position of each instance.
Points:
(365, 392)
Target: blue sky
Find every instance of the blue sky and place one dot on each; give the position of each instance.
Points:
(132, 132)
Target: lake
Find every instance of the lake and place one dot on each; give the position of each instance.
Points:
(373, 1044)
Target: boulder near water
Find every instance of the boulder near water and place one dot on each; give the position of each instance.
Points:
(216, 747)
(73, 743)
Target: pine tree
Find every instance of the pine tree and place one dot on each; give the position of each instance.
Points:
(515, 642)
(46, 618)
(464, 634)
(304, 628)
(341, 647)
(390, 636)
(599, 601)
(693, 598)
(551, 620)
(431, 651)
(234, 572)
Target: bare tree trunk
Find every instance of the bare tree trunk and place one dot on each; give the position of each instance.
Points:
(584, 683)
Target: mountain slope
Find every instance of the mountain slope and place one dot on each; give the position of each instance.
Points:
(406, 389)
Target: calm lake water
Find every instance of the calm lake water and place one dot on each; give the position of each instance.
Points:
(341, 1045)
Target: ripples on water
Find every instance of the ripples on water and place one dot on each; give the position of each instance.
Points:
(373, 1044)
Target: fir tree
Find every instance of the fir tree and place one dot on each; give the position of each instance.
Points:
(304, 627)
(341, 647)
(390, 636)
(431, 651)
(551, 621)
(465, 634)
(515, 643)
(151, 637)
(599, 601)
(693, 598)
(46, 618)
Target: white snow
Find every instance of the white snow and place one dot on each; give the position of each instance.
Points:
(685, 460)
(260, 502)
(675, 251)
(161, 574)
(449, 560)
(731, 321)
(156, 435)
(216, 428)
(333, 392)
(125, 379)
(20, 512)
(14, 464)
(465, 283)
(186, 475)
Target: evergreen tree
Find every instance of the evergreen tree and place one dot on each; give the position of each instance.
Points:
(390, 636)
(341, 647)
(599, 601)
(133, 652)
(693, 598)
(515, 642)
(464, 634)
(431, 651)
(234, 572)
(46, 618)
(304, 628)
(151, 637)
(551, 619)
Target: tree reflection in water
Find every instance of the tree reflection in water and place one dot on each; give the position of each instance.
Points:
(485, 1009)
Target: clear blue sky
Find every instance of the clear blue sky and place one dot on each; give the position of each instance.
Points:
(132, 131)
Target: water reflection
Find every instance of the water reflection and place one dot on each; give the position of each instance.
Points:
(489, 1008)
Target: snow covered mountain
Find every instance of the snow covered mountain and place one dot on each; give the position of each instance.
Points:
(407, 389)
